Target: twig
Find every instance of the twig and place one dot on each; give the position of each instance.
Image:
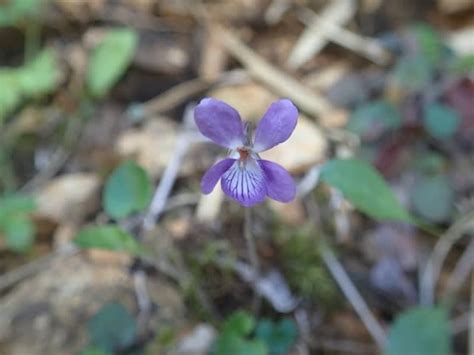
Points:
(163, 190)
(282, 83)
(141, 291)
(169, 99)
(275, 11)
(350, 291)
(253, 255)
(367, 47)
(353, 296)
(460, 273)
(314, 38)
(433, 267)
(12, 277)
(309, 181)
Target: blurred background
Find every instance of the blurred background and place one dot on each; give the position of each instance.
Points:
(107, 245)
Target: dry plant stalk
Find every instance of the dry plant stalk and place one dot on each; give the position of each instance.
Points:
(282, 83)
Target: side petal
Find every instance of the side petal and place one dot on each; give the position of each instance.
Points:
(213, 174)
(276, 125)
(280, 185)
(244, 183)
(219, 122)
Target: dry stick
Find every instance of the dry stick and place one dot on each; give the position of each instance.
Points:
(433, 267)
(163, 190)
(367, 47)
(143, 299)
(172, 97)
(349, 290)
(28, 270)
(353, 296)
(460, 273)
(277, 80)
(314, 38)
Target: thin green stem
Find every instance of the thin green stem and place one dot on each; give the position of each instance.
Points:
(253, 256)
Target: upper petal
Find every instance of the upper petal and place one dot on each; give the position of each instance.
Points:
(245, 183)
(213, 174)
(279, 183)
(276, 125)
(219, 122)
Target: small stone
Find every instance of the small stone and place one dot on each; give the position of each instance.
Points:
(306, 146)
(69, 197)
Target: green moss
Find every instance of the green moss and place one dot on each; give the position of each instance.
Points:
(303, 266)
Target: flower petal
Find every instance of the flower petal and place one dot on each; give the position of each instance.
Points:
(276, 125)
(213, 174)
(279, 183)
(245, 183)
(219, 122)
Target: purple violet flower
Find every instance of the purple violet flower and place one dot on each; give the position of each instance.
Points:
(246, 177)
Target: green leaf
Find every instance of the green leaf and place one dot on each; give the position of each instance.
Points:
(109, 60)
(36, 79)
(412, 73)
(420, 331)
(240, 323)
(127, 190)
(10, 92)
(365, 188)
(14, 11)
(19, 233)
(232, 344)
(40, 76)
(441, 121)
(233, 338)
(16, 203)
(15, 222)
(279, 336)
(429, 43)
(108, 237)
(373, 118)
(432, 198)
(112, 327)
(463, 65)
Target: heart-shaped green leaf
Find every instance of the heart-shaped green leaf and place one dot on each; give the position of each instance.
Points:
(441, 121)
(432, 198)
(279, 336)
(127, 190)
(112, 327)
(420, 331)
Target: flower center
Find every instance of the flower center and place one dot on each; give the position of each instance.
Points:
(243, 153)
